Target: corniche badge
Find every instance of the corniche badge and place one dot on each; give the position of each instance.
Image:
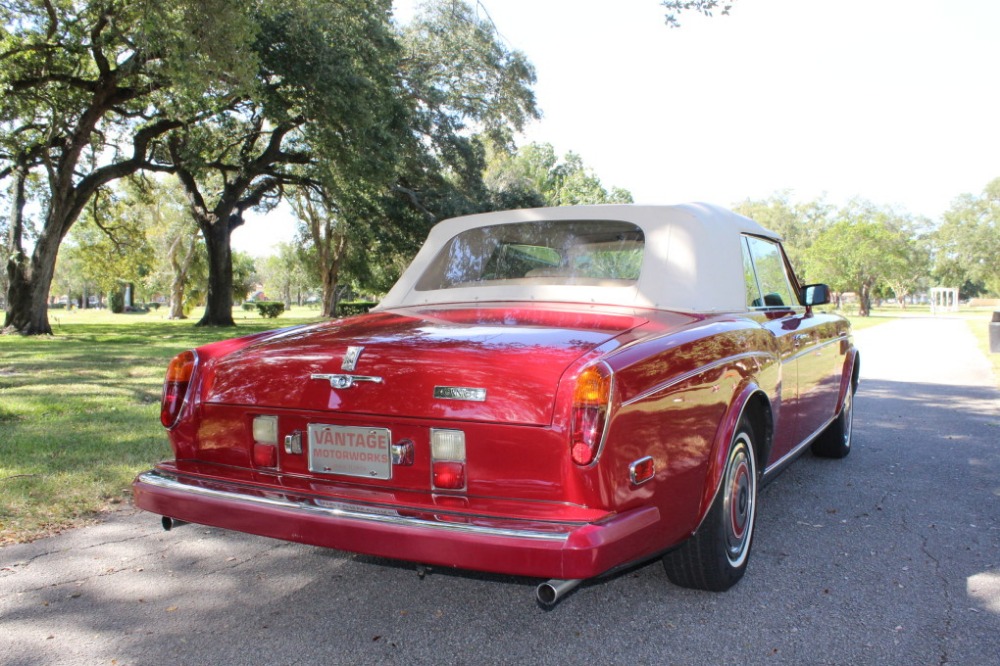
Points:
(351, 358)
(460, 393)
(346, 381)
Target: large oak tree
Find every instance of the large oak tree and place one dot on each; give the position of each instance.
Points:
(88, 87)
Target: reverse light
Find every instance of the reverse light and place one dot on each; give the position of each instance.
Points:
(448, 459)
(175, 387)
(265, 429)
(591, 403)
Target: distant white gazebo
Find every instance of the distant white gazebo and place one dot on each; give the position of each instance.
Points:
(944, 299)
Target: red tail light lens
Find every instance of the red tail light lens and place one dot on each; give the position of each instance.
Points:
(591, 403)
(449, 475)
(175, 387)
(265, 455)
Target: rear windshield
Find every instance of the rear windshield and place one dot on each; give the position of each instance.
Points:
(581, 252)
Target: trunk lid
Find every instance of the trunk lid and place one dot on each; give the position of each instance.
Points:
(418, 363)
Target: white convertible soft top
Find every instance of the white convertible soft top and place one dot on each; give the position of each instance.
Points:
(692, 260)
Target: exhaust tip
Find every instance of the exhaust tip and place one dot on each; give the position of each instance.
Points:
(551, 592)
(170, 523)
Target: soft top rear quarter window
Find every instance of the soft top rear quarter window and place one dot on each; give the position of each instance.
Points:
(581, 252)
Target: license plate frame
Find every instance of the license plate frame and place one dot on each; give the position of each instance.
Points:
(357, 451)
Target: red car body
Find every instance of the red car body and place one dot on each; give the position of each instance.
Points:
(524, 422)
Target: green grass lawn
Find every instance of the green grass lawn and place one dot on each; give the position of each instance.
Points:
(79, 411)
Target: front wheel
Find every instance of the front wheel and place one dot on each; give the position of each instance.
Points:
(715, 558)
(835, 441)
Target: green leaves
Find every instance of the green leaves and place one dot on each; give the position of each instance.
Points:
(706, 7)
(536, 169)
(968, 242)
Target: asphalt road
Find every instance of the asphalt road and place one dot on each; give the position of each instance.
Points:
(891, 556)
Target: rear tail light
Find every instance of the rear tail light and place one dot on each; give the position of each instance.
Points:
(265, 455)
(265, 441)
(175, 387)
(448, 459)
(591, 403)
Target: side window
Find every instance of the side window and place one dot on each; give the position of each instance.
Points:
(769, 266)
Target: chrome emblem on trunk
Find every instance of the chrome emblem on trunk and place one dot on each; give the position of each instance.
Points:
(346, 381)
(351, 358)
(460, 393)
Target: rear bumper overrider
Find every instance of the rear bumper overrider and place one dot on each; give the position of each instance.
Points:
(509, 545)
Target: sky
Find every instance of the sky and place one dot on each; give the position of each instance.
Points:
(893, 101)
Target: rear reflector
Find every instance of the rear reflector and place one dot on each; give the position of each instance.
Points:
(641, 471)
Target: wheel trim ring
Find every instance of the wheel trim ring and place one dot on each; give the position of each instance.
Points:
(848, 414)
(739, 501)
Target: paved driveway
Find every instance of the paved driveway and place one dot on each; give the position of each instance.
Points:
(891, 556)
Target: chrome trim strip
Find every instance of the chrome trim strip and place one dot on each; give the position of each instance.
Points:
(693, 373)
(346, 381)
(168, 482)
(812, 349)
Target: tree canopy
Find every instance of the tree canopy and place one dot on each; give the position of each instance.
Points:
(88, 88)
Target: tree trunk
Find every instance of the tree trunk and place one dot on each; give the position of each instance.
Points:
(219, 303)
(28, 281)
(180, 267)
(331, 257)
(329, 294)
(28, 294)
(865, 300)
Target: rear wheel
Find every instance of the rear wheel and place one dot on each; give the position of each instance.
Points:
(715, 558)
(835, 441)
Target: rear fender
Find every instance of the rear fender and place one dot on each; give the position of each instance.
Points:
(748, 394)
(850, 376)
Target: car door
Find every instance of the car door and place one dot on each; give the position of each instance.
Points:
(774, 302)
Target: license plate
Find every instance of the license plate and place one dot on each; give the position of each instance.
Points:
(350, 451)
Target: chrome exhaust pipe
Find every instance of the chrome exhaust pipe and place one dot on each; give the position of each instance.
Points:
(170, 523)
(551, 591)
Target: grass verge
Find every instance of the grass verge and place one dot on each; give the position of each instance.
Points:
(79, 411)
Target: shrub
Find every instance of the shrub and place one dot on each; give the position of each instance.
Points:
(249, 306)
(117, 299)
(270, 309)
(348, 308)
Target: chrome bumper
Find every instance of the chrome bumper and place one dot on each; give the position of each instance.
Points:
(341, 509)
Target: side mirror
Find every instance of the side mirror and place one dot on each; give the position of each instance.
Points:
(815, 294)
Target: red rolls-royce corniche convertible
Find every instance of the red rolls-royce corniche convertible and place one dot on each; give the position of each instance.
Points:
(556, 393)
